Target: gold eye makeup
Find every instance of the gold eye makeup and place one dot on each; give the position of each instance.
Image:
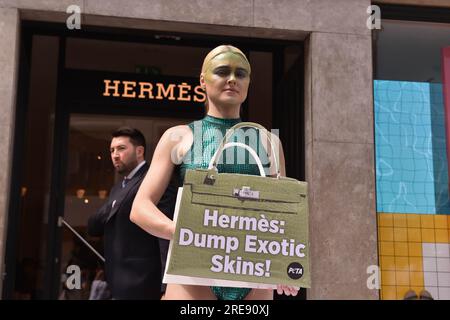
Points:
(224, 71)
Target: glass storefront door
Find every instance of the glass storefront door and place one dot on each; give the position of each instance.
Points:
(89, 175)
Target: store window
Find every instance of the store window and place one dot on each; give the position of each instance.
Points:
(413, 204)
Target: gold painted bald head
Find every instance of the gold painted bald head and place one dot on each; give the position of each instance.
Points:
(221, 50)
(225, 76)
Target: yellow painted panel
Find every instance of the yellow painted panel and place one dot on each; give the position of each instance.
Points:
(414, 235)
(413, 220)
(385, 220)
(427, 220)
(416, 279)
(401, 249)
(416, 264)
(401, 264)
(402, 278)
(386, 248)
(387, 263)
(415, 249)
(388, 278)
(428, 235)
(400, 234)
(388, 293)
(441, 235)
(440, 221)
(399, 220)
(386, 234)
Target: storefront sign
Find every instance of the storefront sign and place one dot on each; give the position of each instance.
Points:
(133, 93)
(156, 90)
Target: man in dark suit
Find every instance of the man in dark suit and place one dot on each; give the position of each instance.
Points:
(133, 263)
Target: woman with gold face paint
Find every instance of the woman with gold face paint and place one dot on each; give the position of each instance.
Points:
(225, 77)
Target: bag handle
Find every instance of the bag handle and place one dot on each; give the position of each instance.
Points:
(229, 133)
(250, 150)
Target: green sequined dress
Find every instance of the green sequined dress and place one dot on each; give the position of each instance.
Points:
(208, 133)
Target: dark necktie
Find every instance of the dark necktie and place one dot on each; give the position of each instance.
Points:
(124, 182)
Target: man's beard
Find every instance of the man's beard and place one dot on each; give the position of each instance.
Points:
(127, 168)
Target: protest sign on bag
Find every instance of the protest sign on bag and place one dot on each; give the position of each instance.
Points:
(225, 238)
(240, 230)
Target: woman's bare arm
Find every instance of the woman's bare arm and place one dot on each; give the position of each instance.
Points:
(144, 212)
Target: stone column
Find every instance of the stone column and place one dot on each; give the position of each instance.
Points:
(340, 165)
(9, 56)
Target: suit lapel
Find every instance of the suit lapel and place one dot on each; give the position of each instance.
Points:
(123, 193)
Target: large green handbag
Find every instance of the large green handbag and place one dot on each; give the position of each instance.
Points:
(240, 230)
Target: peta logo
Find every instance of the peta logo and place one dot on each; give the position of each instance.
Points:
(295, 270)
